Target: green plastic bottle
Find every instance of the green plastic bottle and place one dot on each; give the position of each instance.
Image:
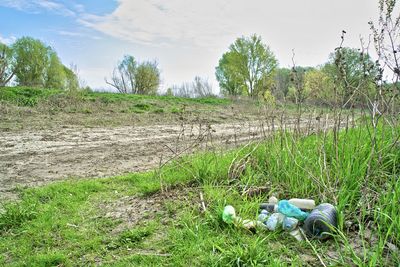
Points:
(229, 214)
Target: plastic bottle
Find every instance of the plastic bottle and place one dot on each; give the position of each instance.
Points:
(229, 214)
(304, 204)
(321, 221)
(264, 212)
(296, 234)
(290, 210)
(274, 221)
(262, 217)
(273, 200)
(289, 223)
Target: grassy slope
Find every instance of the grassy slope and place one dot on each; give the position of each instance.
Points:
(26, 108)
(64, 224)
(27, 96)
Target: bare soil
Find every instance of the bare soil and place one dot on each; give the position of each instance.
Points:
(36, 151)
(34, 158)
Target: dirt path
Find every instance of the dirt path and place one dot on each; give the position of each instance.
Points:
(33, 158)
(36, 158)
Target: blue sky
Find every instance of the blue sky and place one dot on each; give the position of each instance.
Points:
(186, 37)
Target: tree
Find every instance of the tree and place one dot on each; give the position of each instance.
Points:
(297, 88)
(146, 78)
(6, 65)
(136, 78)
(281, 82)
(34, 64)
(318, 86)
(354, 69)
(200, 87)
(55, 73)
(71, 79)
(229, 81)
(246, 67)
(31, 61)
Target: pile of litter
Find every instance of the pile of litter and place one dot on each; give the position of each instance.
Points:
(295, 216)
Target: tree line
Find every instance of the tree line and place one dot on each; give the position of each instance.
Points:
(249, 68)
(30, 62)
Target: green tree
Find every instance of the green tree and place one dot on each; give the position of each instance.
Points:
(226, 73)
(318, 86)
(137, 78)
(281, 82)
(353, 74)
(71, 79)
(6, 65)
(246, 68)
(123, 77)
(55, 72)
(147, 78)
(31, 61)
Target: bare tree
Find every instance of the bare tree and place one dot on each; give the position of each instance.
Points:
(135, 78)
(200, 87)
(123, 77)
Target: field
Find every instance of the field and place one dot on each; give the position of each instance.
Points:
(147, 162)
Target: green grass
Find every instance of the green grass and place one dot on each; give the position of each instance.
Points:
(26, 96)
(64, 223)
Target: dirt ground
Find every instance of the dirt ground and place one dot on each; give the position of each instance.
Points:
(34, 156)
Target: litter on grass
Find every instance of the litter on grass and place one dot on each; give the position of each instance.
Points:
(293, 216)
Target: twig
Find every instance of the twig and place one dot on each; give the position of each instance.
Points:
(312, 247)
(203, 205)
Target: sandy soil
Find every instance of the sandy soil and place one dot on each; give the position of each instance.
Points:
(33, 158)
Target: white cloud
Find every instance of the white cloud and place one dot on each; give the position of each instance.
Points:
(78, 34)
(157, 21)
(215, 23)
(7, 40)
(37, 6)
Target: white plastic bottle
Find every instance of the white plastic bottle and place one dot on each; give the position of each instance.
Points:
(305, 204)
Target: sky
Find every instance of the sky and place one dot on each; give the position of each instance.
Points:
(186, 37)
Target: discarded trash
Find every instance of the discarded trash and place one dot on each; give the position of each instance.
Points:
(269, 207)
(273, 200)
(289, 223)
(248, 224)
(274, 221)
(287, 215)
(290, 210)
(304, 204)
(262, 217)
(321, 221)
(264, 212)
(229, 217)
(229, 214)
(296, 234)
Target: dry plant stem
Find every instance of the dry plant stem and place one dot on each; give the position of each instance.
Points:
(203, 205)
(312, 247)
(244, 158)
(196, 143)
